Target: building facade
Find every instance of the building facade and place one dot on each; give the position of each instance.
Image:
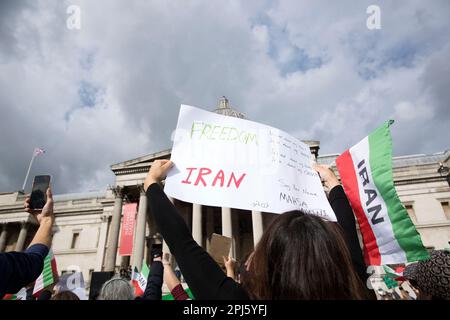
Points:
(87, 226)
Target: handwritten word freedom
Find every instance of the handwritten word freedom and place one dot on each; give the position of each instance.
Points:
(202, 130)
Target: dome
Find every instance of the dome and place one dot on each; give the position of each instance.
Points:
(224, 108)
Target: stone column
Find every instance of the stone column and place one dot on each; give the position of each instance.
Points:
(114, 230)
(197, 223)
(3, 236)
(139, 239)
(209, 226)
(227, 228)
(257, 223)
(22, 236)
(103, 230)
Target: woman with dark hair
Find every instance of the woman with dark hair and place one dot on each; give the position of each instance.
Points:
(298, 257)
(302, 257)
(65, 295)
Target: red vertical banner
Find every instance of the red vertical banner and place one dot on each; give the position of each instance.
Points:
(127, 231)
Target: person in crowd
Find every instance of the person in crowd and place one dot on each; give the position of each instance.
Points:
(46, 294)
(153, 289)
(431, 277)
(29, 290)
(404, 294)
(299, 256)
(229, 264)
(117, 288)
(389, 295)
(19, 269)
(172, 281)
(244, 267)
(65, 295)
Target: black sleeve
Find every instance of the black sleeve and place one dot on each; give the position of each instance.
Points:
(18, 269)
(154, 282)
(346, 220)
(45, 295)
(203, 275)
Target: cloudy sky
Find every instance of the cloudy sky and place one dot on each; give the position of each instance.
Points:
(111, 91)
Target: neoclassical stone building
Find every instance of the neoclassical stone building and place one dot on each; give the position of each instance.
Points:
(87, 228)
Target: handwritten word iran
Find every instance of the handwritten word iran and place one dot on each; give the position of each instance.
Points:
(202, 130)
(219, 178)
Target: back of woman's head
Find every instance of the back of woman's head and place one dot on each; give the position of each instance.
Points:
(65, 295)
(302, 257)
(117, 289)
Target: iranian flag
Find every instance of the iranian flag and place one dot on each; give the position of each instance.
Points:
(139, 279)
(389, 236)
(21, 295)
(48, 276)
(396, 274)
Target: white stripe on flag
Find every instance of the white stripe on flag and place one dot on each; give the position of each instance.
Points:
(389, 248)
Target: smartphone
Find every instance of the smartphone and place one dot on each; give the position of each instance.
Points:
(38, 196)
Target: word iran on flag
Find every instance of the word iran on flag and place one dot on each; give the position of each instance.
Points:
(139, 279)
(389, 236)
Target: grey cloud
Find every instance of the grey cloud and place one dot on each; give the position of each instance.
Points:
(139, 60)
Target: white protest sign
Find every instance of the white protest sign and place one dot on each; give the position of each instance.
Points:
(73, 282)
(230, 162)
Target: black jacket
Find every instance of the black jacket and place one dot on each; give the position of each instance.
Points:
(18, 269)
(153, 289)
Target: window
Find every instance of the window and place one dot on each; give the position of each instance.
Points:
(75, 237)
(446, 208)
(411, 213)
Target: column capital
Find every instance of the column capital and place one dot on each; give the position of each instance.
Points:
(118, 191)
(141, 189)
(23, 224)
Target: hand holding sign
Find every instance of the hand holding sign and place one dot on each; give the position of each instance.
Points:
(327, 176)
(157, 172)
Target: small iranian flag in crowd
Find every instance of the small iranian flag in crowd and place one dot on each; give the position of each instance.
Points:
(48, 276)
(396, 274)
(21, 295)
(388, 233)
(139, 279)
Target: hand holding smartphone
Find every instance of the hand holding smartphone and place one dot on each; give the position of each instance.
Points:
(38, 196)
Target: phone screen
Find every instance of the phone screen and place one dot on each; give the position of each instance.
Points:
(38, 196)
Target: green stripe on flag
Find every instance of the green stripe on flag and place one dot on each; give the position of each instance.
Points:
(47, 273)
(380, 144)
(390, 283)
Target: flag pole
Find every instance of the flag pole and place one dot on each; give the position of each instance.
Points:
(28, 172)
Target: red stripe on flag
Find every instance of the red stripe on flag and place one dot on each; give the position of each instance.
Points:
(54, 269)
(349, 180)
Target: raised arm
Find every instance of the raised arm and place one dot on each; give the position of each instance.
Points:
(174, 285)
(153, 289)
(229, 266)
(345, 218)
(203, 275)
(18, 269)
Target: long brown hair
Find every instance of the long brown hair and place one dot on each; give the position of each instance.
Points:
(301, 256)
(65, 295)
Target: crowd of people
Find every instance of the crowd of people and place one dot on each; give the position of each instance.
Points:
(299, 256)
